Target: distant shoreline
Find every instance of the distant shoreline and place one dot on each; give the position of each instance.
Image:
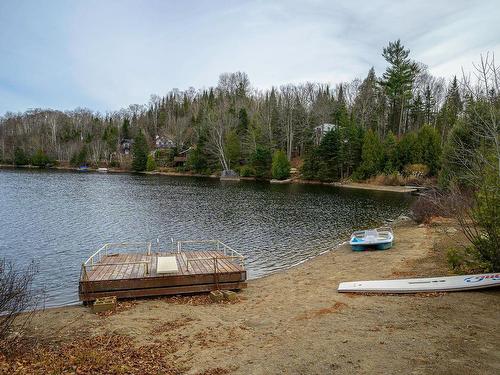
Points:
(350, 185)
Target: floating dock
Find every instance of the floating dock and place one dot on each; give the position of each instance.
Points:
(131, 270)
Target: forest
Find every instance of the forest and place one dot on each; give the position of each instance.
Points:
(397, 123)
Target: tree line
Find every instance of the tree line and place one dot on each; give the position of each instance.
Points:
(395, 123)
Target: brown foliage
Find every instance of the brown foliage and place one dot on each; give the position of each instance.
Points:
(106, 354)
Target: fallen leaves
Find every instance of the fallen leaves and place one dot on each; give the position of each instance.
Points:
(105, 354)
(121, 306)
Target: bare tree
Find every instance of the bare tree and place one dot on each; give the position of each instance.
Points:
(18, 300)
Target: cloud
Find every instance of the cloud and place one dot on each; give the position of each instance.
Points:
(107, 55)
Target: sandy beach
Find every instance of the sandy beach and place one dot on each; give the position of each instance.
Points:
(295, 322)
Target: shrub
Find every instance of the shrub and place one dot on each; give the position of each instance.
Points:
(247, 171)
(20, 157)
(427, 206)
(393, 179)
(40, 159)
(17, 299)
(280, 165)
(466, 260)
(80, 158)
(416, 170)
(150, 163)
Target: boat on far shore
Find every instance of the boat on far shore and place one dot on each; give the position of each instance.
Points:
(102, 170)
(377, 239)
(82, 168)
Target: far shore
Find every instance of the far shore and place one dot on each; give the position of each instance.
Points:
(295, 321)
(348, 185)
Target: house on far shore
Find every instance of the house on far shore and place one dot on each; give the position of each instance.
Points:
(163, 143)
(321, 130)
(126, 145)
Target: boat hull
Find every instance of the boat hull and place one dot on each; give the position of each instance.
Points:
(430, 284)
(367, 247)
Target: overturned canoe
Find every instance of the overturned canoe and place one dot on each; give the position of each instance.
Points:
(378, 239)
(431, 284)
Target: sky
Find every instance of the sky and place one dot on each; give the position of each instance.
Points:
(105, 55)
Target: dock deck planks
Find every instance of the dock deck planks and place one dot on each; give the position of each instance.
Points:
(124, 277)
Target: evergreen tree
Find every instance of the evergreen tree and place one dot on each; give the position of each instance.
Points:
(233, 148)
(243, 121)
(408, 150)
(80, 158)
(125, 133)
(430, 148)
(20, 157)
(390, 154)
(330, 157)
(372, 156)
(310, 166)
(449, 113)
(40, 159)
(261, 161)
(280, 165)
(417, 113)
(139, 153)
(398, 81)
(150, 163)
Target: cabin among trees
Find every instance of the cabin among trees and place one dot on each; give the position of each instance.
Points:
(397, 123)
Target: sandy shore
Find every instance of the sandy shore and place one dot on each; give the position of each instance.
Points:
(295, 322)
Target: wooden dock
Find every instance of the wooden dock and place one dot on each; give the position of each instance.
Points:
(124, 274)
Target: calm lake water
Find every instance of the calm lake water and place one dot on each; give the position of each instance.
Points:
(60, 218)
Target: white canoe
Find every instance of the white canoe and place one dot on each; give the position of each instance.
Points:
(431, 284)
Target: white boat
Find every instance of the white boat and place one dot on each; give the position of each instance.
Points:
(431, 284)
(379, 239)
(103, 170)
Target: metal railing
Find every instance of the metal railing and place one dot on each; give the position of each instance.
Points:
(215, 245)
(228, 253)
(95, 259)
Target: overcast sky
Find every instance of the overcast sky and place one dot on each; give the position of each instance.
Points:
(105, 55)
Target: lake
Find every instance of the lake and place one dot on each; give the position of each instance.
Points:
(60, 218)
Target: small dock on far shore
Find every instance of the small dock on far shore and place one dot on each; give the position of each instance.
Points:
(131, 270)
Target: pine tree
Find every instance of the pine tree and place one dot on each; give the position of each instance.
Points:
(139, 153)
(398, 81)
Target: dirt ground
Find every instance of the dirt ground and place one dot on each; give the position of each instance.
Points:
(295, 322)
